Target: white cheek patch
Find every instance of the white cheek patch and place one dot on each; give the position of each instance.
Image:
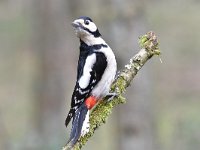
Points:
(92, 27)
(85, 78)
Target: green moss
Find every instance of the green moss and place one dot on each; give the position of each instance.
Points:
(149, 41)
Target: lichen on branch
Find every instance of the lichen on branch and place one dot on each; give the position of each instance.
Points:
(148, 48)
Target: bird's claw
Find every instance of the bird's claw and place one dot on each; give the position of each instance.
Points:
(110, 96)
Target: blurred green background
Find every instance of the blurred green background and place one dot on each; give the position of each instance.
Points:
(38, 59)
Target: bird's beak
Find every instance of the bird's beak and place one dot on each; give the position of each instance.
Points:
(75, 24)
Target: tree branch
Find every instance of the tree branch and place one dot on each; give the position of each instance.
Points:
(99, 115)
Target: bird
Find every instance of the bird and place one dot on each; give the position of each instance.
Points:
(96, 71)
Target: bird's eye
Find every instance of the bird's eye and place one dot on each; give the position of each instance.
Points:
(86, 22)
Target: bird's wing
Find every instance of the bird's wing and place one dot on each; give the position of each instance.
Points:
(89, 74)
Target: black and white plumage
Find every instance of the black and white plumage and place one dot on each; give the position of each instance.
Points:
(95, 73)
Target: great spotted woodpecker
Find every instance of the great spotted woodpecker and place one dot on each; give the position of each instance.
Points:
(95, 73)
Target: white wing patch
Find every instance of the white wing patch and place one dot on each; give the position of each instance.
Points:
(85, 78)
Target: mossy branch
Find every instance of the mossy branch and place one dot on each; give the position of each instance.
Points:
(149, 47)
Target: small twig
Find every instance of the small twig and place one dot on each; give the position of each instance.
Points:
(99, 115)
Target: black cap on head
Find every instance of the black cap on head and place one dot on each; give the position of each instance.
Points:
(85, 18)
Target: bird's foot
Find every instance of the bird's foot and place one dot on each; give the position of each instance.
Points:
(110, 96)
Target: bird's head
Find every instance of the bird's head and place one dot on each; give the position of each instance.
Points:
(85, 27)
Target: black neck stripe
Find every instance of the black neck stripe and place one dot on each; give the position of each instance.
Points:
(86, 47)
(95, 33)
(99, 46)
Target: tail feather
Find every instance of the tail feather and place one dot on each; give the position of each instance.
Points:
(69, 116)
(77, 124)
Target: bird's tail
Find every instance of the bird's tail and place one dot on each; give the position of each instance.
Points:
(69, 116)
(80, 124)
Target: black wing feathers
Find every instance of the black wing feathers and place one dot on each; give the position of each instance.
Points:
(100, 65)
